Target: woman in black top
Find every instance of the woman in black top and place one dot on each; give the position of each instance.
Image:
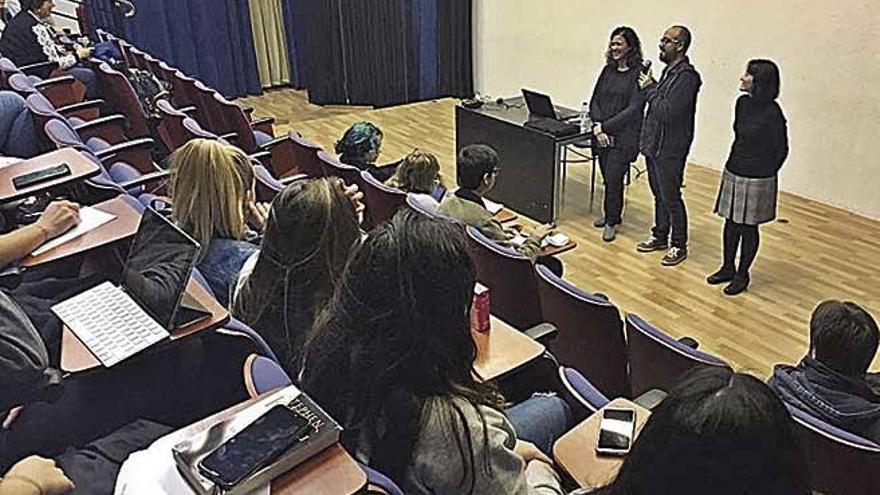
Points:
(616, 111)
(747, 197)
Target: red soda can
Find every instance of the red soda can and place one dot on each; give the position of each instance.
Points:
(480, 309)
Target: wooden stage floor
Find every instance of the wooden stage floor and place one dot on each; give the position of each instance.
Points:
(814, 252)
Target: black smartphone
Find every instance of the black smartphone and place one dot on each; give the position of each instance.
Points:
(42, 175)
(616, 431)
(254, 447)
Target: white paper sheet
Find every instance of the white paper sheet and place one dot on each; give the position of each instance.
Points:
(492, 206)
(89, 219)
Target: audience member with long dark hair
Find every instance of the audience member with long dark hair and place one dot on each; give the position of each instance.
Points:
(616, 108)
(748, 193)
(311, 227)
(360, 146)
(720, 433)
(832, 381)
(393, 360)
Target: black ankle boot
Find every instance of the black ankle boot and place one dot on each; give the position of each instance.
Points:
(739, 284)
(721, 276)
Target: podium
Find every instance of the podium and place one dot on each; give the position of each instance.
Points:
(531, 177)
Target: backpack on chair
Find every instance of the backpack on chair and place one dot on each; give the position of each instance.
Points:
(149, 90)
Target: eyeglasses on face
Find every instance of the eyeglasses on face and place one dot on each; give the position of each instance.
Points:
(665, 41)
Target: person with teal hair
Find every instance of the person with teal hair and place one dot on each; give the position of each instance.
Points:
(360, 147)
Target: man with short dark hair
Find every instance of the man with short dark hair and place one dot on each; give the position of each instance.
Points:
(667, 134)
(476, 168)
(831, 382)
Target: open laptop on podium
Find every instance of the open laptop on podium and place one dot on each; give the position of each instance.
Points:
(541, 106)
(117, 322)
(546, 117)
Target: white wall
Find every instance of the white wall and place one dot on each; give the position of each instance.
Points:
(827, 51)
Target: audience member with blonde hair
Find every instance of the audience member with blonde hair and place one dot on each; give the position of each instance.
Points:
(419, 175)
(212, 194)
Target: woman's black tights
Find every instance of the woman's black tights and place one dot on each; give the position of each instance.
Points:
(736, 234)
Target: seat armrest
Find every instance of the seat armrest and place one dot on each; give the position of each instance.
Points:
(136, 152)
(61, 91)
(110, 129)
(54, 81)
(135, 144)
(273, 143)
(86, 110)
(50, 66)
(542, 332)
(260, 155)
(146, 179)
(292, 178)
(263, 121)
(689, 342)
(231, 137)
(651, 399)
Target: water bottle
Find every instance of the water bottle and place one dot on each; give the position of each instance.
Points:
(586, 123)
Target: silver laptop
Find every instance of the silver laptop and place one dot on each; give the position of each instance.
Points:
(117, 322)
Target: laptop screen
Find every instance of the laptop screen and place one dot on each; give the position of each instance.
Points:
(539, 104)
(159, 265)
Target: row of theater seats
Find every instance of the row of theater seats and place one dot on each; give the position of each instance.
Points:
(123, 146)
(602, 354)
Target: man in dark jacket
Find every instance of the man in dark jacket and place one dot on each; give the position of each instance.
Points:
(667, 134)
(832, 382)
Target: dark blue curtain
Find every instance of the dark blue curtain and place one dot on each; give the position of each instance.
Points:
(209, 39)
(380, 52)
(294, 42)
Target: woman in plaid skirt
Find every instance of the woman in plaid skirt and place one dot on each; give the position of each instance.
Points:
(747, 196)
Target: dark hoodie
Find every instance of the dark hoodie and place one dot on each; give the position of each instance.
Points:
(668, 130)
(843, 401)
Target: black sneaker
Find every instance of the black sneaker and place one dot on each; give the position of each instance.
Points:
(674, 256)
(739, 285)
(722, 276)
(652, 244)
(599, 223)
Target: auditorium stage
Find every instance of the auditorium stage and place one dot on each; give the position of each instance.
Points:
(816, 252)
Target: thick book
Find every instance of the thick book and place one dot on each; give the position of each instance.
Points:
(324, 433)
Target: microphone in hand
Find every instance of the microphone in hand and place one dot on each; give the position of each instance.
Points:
(646, 78)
